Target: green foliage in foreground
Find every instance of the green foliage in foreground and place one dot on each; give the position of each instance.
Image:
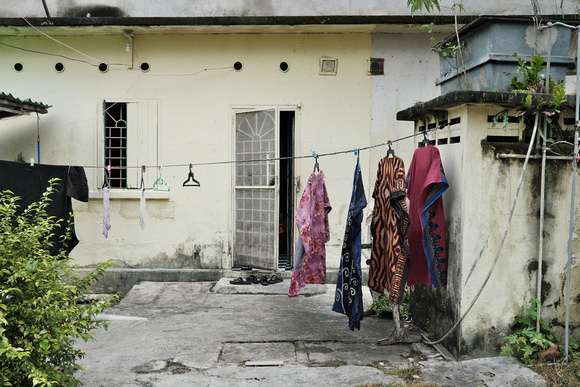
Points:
(43, 310)
(526, 343)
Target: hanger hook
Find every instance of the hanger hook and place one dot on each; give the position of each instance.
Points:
(143, 169)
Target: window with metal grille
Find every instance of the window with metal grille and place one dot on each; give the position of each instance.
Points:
(116, 142)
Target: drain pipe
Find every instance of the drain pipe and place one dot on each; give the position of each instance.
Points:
(542, 196)
(45, 8)
(541, 242)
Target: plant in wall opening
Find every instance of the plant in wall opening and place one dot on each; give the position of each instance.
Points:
(43, 306)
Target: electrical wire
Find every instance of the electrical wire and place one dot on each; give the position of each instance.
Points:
(48, 53)
(116, 66)
(425, 340)
(59, 42)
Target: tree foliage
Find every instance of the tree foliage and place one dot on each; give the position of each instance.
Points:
(418, 5)
(43, 305)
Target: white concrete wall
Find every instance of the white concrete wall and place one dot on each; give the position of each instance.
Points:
(142, 8)
(487, 190)
(191, 227)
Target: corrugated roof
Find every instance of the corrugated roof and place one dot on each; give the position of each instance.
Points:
(11, 106)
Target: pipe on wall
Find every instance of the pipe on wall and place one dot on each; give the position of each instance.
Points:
(45, 8)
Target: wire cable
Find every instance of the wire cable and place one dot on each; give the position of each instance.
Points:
(112, 65)
(225, 162)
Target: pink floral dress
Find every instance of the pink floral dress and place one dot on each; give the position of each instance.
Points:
(312, 222)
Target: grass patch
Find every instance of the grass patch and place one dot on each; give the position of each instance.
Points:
(560, 374)
(404, 373)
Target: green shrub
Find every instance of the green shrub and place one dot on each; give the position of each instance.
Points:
(43, 307)
(383, 307)
(526, 343)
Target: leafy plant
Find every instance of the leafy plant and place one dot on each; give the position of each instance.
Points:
(530, 72)
(43, 309)
(384, 307)
(417, 5)
(574, 349)
(526, 342)
(448, 50)
(504, 116)
(532, 82)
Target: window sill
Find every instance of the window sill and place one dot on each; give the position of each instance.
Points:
(129, 194)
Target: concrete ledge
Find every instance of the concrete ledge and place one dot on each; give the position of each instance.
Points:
(121, 280)
(223, 286)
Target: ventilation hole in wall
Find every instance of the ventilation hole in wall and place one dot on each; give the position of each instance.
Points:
(283, 67)
(455, 120)
(145, 67)
(511, 139)
(59, 67)
(442, 141)
(103, 67)
(569, 121)
(511, 119)
(18, 67)
(455, 140)
(238, 66)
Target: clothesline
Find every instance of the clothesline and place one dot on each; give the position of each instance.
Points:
(314, 154)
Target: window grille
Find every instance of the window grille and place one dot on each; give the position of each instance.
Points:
(116, 143)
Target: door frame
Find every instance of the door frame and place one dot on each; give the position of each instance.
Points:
(234, 109)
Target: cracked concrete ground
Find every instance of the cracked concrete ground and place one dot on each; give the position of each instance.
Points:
(208, 334)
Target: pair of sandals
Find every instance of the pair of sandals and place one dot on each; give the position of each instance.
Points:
(252, 279)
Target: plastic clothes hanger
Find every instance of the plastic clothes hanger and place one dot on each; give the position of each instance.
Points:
(390, 152)
(191, 182)
(161, 184)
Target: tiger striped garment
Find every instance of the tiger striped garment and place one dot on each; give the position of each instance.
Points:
(389, 265)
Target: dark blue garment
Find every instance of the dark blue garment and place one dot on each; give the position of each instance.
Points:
(348, 297)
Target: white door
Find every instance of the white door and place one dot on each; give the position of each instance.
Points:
(256, 189)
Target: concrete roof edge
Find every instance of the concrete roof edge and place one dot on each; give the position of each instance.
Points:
(229, 20)
(260, 20)
(461, 97)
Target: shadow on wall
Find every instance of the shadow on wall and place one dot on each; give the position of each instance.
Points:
(186, 256)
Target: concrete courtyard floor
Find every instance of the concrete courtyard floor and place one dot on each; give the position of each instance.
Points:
(218, 334)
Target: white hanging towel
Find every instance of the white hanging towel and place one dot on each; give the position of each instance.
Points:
(106, 212)
(142, 209)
